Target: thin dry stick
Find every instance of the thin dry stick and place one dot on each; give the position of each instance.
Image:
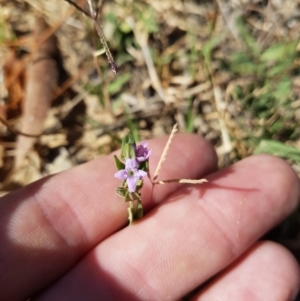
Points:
(105, 46)
(226, 146)
(93, 12)
(80, 9)
(93, 17)
(162, 159)
(14, 131)
(164, 154)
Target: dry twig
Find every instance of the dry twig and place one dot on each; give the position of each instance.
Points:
(93, 16)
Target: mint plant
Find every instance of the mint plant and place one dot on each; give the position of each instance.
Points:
(133, 167)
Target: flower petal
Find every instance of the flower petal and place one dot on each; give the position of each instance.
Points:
(140, 174)
(131, 164)
(121, 174)
(131, 182)
(142, 152)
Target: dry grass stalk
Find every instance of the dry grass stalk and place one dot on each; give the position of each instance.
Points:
(162, 159)
(15, 131)
(164, 154)
(182, 181)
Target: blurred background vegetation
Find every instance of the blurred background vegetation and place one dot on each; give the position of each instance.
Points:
(227, 70)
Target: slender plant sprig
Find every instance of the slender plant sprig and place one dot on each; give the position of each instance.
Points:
(132, 172)
(93, 14)
(162, 159)
(134, 166)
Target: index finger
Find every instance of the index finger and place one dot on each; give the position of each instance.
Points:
(49, 225)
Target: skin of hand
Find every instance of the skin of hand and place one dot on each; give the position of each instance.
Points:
(64, 237)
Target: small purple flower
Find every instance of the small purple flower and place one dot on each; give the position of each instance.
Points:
(131, 174)
(142, 152)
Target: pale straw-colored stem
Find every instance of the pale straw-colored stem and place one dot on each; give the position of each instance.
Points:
(164, 154)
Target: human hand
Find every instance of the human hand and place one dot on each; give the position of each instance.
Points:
(62, 238)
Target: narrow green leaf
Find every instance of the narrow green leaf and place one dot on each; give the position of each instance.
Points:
(128, 148)
(118, 83)
(283, 89)
(120, 165)
(139, 211)
(279, 149)
(279, 52)
(121, 191)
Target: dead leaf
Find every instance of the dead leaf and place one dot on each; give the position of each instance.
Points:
(62, 162)
(14, 75)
